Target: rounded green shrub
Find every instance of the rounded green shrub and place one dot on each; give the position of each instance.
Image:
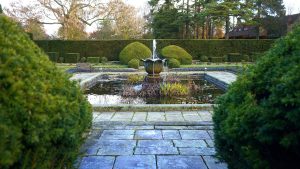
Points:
(134, 63)
(173, 63)
(43, 114)
(135, 50)
(204, 58)
(178, 53)
(256, 122)
(104, 59)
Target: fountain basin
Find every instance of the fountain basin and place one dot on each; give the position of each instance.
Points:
(153, 66)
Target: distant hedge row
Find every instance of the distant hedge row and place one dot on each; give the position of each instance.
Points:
(197, 48)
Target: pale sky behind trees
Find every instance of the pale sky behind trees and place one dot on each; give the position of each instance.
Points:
(292, 7)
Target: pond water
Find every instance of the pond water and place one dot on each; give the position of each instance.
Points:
(113, 90)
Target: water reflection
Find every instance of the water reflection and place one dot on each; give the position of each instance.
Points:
(113, 90)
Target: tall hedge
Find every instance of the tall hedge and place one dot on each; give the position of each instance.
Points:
(197, 48)
(42, 113)
(257, 120)
(135, 50)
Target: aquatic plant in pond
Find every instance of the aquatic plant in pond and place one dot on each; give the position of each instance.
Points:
(121, 90)
(173, 89)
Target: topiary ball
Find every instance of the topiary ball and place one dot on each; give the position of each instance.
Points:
(135, 50)
(178, 53)
(134, 63)
(173, 63)
(43, 114)
(256, 122)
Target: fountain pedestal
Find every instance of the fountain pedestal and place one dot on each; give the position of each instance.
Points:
(153, 66)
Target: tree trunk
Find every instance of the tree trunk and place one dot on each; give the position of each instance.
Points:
(187, 31)
(258, 17)
(227, 22)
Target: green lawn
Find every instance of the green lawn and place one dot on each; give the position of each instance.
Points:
(66, 66)
(203, 65)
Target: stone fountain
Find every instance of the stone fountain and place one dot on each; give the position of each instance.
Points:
(154, 65)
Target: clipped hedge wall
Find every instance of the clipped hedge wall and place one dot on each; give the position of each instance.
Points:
(93, 60)
(197, 48)
(43, 114)
(256, 122)
(53, 56)
(71, 57)
(217, 59)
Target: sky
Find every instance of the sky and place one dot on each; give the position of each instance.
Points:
(292, 7)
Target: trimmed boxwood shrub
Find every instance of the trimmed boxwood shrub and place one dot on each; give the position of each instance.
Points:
(134, 63)
(256, 122)
(93, 59)
(173, 63)
(217, 59)
(135, 50)
(104, 59)
(178, 53)
(42, 113)
(53, 56)
(204, 58)
(72, 57)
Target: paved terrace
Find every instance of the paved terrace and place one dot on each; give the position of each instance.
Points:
(151, 140)
(219, 78)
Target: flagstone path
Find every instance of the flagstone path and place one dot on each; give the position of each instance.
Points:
(151, 140)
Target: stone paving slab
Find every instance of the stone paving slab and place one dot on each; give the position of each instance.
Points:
(197, 151)
(171, 134)
(189, 143)
(155, 143)
(148, 134)
(135, 162)
(169, 116)
(156, 150)
(138, 143)
(96, 162)
(213, 163)
(194, 134)
(226, 77)
(180, 162)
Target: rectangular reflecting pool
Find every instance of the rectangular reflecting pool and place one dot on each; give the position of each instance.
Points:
(167, 89)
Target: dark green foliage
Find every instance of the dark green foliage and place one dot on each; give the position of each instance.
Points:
(53, 56)
(257, 120)
(217, 59)
(104, 59)
(165, 22)
(42, 113)
(61, 59)
(134, 63)
(135, 50)
(93, 59)
(178, 53)
(82, 59)
(234, 57)
(203, 58)
(72, 57)
(112, 48)
(173, 63)
(218, 48)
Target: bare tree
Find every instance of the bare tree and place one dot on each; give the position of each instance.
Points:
(69, 14)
